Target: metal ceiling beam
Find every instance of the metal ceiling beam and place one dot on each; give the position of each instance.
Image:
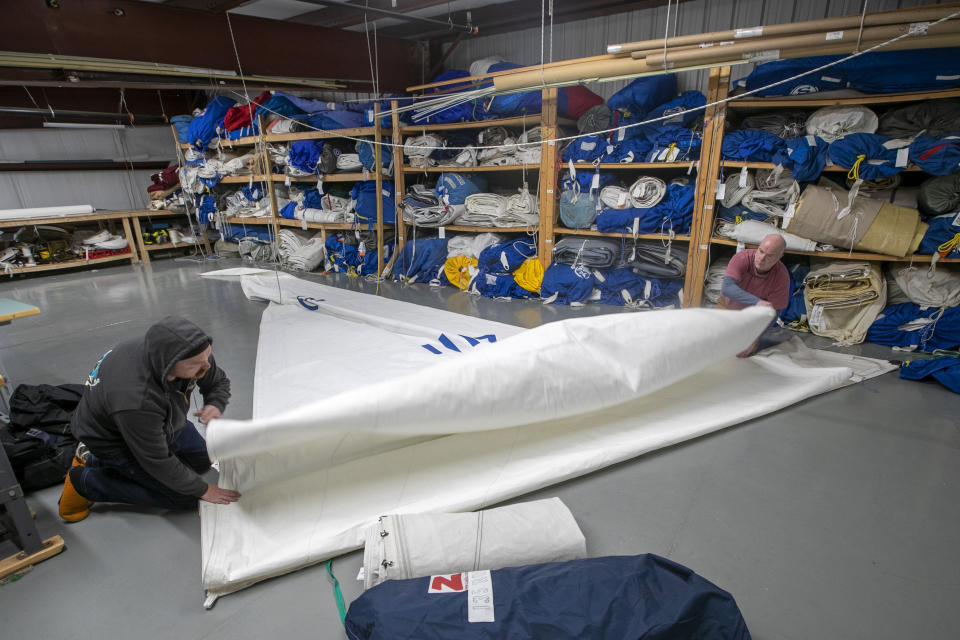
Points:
(468, 28)
(341, 18)
(523, 14)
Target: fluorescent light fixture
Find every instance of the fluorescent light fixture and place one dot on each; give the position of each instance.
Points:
(81, 125)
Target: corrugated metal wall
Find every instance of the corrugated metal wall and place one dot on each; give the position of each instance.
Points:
(591, 37)
(118, 190)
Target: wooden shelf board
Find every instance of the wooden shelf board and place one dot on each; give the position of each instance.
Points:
(159, 212)
(327, 177)
(287, 222)
(639, 165)
(510, 167)
(250, 220)
(242, 179)
(168, 245)
(321, 135)
(460, 227)
(844, 255)
(93, 217)
(518, 121)
(641, 236)
(736, 164)
(73, 263)
(785, 101)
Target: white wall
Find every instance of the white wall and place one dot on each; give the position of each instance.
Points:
(115, 189)
(591, 37)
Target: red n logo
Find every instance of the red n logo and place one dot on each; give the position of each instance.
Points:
(450, 583)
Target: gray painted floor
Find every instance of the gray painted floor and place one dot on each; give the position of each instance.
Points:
(836, 518)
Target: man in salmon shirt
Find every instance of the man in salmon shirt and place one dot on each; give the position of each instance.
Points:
(757, 277)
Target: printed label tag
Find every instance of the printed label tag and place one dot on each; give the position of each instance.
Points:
(443, 232)
(320, 186)
(622, 200)
(480, 597)
(834, 35)
(286, 181)
(743, 178)
(588, 146)
(448, 583)
(303, 222)
(595, 182)
(816, 318)
(903, 156)
(721, 189)
(740, 247)
(752, 32)
(636, 227)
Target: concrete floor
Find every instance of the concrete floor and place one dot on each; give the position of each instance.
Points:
(836, 518)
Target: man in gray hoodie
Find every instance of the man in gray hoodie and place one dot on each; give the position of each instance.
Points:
(133, 420)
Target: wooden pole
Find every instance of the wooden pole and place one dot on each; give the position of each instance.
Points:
(399, 182)
(378, 167)
(835, 40)
(548, 176)
(916, 14)
(703, 209)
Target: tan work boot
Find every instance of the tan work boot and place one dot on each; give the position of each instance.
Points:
(73, 506)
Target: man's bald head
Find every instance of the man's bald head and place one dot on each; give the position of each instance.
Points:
(769, 252)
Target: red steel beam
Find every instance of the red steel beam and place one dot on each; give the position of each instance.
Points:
(173, 35)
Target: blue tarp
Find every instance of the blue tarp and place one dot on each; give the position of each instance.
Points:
(456, 187)
(630, 150)
(585, 149)
(752, 145)
(942, 229)
(365, 195)
(332, 120)
(619, 284)
(506, 257)
(623, 597)
(878, 161)
(938, 156)
(422, 259)
(796, 309)
(204, 127)
(644, 94)
(875, 72)
(686, 141)
(368, 159)
(584, 180)
(499, 285)
(305, 154)
(684, 102)
(277, 104)
(569, 283)
(945, 370)
(805, 156)
(941, 332)
(675, 212)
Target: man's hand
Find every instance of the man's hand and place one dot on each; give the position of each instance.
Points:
(764, 303)
(216, 495)
(208, 413)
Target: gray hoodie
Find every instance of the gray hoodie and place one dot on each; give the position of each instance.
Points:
(130, 406)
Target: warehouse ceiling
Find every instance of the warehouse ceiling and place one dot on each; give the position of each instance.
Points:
(89, 55)
(417, 19)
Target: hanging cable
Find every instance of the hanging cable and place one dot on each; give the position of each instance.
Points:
(863, 15)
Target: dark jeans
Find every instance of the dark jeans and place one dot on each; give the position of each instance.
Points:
(118, 477)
